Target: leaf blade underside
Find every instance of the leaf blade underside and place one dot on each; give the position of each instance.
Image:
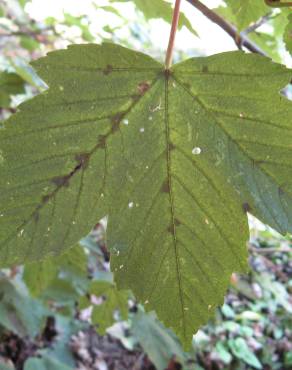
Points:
(116, 135)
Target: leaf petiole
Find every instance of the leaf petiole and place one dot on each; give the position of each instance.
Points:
(174, 24)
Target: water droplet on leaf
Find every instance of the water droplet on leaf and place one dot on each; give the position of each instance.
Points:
(197, 150)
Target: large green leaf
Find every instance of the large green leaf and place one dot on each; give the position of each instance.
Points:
(175, 159)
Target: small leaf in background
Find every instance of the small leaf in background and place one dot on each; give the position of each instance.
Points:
(223, 352)
(158, 342)
(227, 311)
(161, 10)
(247, 11)
(288, 34)
(10, 84)
(29, 43)
(45, 363)
(105, 299)
(20, 313)
(241, 350)
(26, 72)
(42, 277)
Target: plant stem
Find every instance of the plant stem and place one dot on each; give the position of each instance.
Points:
(174, 24)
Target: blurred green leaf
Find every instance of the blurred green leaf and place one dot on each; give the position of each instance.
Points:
(27, 73)
(106, 300)
(18, 312)
(10, 84)
(247, 11)
(29, 43)
(45, 363)
(288, 34)
(162, 10)
(223, 353)
(227, 311)
(158, 342)
(241, 350)
(42, 276)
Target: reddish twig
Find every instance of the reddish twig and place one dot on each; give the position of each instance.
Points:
(174, 25)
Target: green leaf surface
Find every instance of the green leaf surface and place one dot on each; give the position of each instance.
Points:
(111, 300)
(175, 159)
(247, 11)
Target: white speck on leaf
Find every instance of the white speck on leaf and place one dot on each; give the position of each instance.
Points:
(61, 88)
(121, 266)
(125, 122)
(142, 129)
(241, 115)
(131, 205)
(150, 118)
(197, 150)
(1, 157)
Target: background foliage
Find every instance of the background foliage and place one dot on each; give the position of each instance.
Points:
(51, 312)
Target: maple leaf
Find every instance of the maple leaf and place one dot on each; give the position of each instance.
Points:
(174, 158)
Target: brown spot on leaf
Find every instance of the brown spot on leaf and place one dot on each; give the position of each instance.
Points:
(61, 181)
(281, 191)
(246, 207)
(165, 187)
(167, 73)
(116, 120)
(177, 222)
(205, 69)
(101, 141)
(171, 146)
(36, 217)
(108, 70)
(45, 198)
(171, 229)
(82, 159)
(135, 97)
(143, 87)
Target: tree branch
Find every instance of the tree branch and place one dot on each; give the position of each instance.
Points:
(238, 38)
